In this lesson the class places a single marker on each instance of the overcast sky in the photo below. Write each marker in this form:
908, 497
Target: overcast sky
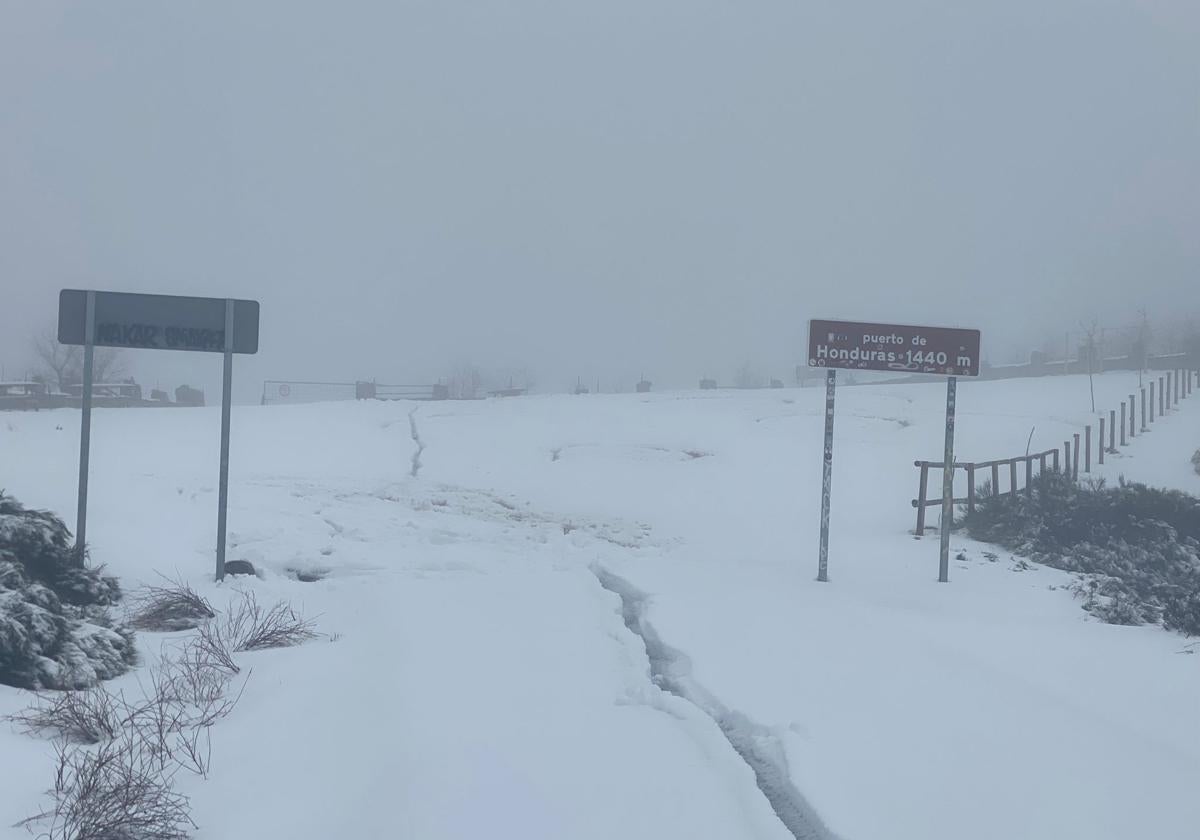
602, 188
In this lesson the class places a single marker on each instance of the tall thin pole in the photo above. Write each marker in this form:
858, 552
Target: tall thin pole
948, 484
827, 475
226, 394
85, 427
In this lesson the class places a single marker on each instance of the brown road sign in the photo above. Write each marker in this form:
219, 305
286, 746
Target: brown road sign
894, 348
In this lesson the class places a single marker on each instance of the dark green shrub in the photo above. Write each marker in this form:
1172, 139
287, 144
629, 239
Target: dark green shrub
55, 630
1140, 545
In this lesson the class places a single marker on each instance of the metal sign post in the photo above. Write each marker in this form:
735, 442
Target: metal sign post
85, 426
226, 393
948, 485
892, 348
827, 475
156, 322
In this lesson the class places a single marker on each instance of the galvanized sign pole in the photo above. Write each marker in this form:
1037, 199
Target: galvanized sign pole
226, 393
948, 485
827, 476
85, 426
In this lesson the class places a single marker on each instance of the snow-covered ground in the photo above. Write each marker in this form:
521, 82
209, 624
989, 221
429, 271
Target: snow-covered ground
597, 617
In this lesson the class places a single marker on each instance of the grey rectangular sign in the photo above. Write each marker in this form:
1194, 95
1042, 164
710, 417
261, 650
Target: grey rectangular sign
157, 322
853, 345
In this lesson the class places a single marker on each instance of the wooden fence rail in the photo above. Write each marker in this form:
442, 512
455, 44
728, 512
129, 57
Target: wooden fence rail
1172, 387
991, 468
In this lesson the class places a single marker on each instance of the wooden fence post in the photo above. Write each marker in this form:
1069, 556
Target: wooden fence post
1112, 430
1012, 476
921, 498
1054, 459
1177, 378
995, 479
1100, 450
1152, 401
1087, 447
1067, 458
1075, 459
970, 488
1029, 476
1144, 427
1124, 425
1131, 430
1161, 407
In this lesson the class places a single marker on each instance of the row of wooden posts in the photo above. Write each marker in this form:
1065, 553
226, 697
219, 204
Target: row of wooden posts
1172, 387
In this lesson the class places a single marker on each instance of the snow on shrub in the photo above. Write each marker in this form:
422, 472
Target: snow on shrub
116, 791
169, 608
247, 626
1138, 546
1196, 460
55, 627
118, 757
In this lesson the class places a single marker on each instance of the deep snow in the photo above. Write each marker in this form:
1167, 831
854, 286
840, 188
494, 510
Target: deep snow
483, 683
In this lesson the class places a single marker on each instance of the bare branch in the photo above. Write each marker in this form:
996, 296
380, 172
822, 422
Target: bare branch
175, 606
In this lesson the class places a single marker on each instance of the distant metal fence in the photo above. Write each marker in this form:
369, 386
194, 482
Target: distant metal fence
289, 392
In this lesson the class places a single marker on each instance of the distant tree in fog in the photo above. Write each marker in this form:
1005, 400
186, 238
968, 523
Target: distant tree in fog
748, 377
464, 383
1091, 349
62, 364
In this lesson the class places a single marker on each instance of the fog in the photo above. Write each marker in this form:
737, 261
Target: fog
559, 189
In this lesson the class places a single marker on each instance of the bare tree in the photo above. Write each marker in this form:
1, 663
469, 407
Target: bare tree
747, 377
57, 362
464, 382
62, 364
107, 365
1090, 331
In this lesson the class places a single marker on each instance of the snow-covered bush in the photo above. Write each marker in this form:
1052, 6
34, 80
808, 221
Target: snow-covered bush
1196, 460
80, 717
115, 791
164, 609
1140, 546
248, 626
118, 756
55, 628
